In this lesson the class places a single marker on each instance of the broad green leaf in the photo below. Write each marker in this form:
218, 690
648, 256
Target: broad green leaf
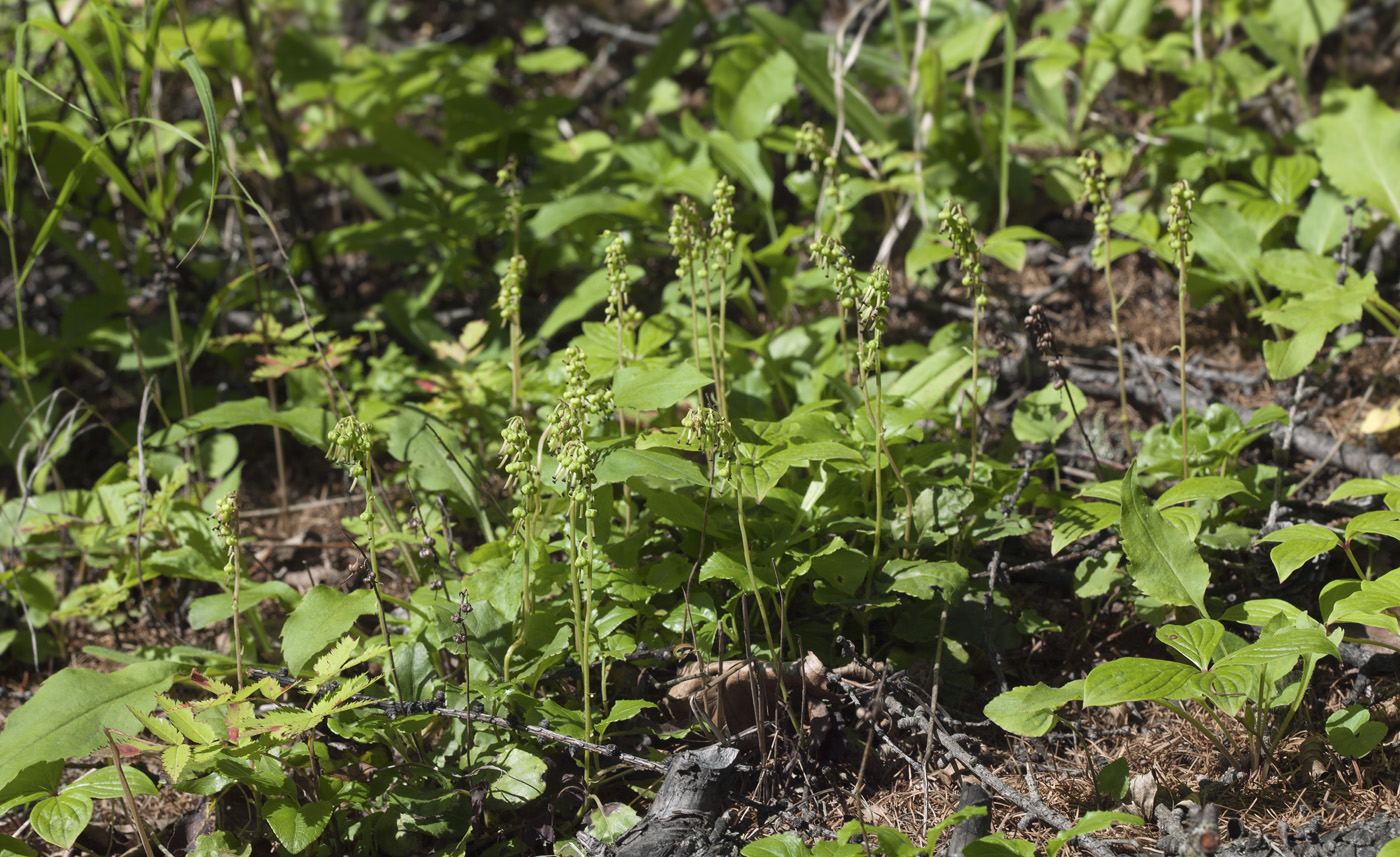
622, 710
1197, 488
1358, 142
33, 783
553, 216
1353, 488
814, 74
105, 784
997, 845
1352, 731
1030, 710
1284, 644
1297, 270
323, 616
1079, 519
12, 847
744, 160
1044, 415
1139, 680
577, 303
62, 818
1258, 611
801, 453
1162, 561
653, 388
308, 425
1324, 221
64, 719
919, 578
297, 826
1285, 359
1285, 177
435, 453
1302, 22
1298, 544
929, 380
759, 96
1092, 822
1225, 240
619, 465
782, 845
1112, 779
560, 59
1379, 523
1197, 641
209, 609
521, 778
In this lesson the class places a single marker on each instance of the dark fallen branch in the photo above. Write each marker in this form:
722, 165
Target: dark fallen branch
1036, 808
1103, 383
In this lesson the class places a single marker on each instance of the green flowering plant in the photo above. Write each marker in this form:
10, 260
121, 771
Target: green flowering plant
954, 225
351, 448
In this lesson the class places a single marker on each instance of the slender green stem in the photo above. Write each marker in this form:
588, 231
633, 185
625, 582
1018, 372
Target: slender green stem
581, 621
1105, 237
1181, 298
237, 617
972, 434
1201, 727
748, 562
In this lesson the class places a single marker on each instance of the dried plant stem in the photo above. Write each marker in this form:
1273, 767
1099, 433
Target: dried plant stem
136, 820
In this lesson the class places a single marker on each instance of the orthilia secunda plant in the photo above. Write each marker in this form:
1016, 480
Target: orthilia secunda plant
811, 143
684, 238
575, 476
954, 225
873, 308
622, 314
508, 299
350, 447
522, 473
226, 526
578, 406
719, 250
1095, 193
711, 432
837, 264
1179, 240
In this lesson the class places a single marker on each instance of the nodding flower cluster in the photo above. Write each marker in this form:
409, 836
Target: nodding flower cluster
1043, 339
577, 406
620, 307
714, 436
1095, 189
954, 224
350, 445
1179, 221
226, 529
